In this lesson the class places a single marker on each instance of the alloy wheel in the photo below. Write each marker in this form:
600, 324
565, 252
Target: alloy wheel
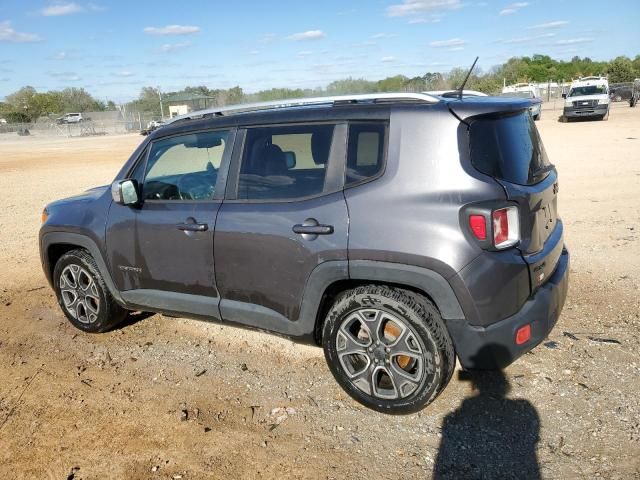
79, 294
381, 354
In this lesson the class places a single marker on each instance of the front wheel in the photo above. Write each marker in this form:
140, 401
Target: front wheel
82, 294
388, 348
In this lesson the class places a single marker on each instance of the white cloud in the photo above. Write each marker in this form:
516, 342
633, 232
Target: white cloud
554, 24
172, 30
123, 73
422, 20
254, 52
172, 47
308, 35
60, 55
305, 53
454, 42
66, 76
94, 7
383, 35
8, 34
518, 40
60, 9
513, 8
574, 41
415, 7
267, 38
388, 59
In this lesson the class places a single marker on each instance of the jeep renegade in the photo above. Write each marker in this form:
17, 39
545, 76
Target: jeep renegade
399, 231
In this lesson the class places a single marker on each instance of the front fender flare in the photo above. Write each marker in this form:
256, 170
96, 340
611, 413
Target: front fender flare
81, 241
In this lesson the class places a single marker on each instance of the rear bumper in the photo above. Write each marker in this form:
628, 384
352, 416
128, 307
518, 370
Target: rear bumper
582, 112
494, 346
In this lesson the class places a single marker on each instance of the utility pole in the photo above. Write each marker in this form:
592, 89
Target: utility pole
161, 108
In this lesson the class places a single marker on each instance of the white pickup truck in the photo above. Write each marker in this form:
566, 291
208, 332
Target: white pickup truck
588, 97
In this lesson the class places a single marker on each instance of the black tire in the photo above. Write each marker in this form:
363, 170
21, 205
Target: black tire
537, 117
95, 309
605, 117
426, 370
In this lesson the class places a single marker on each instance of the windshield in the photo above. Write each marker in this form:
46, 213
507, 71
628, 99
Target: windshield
508, 147
588, 90
517, 94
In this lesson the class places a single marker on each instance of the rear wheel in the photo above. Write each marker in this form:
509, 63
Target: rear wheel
388, 348
83, 295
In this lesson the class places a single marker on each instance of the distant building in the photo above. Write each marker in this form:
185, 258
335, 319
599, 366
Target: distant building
181, 103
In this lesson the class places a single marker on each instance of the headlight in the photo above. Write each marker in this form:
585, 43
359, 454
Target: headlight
603, 101
45, 215
568, 103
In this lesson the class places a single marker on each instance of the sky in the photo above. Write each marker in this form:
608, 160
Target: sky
113, 48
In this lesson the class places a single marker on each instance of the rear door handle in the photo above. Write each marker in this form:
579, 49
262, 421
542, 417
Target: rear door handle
313, 229
192, 227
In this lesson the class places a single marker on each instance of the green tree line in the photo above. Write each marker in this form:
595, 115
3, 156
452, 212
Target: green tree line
27, 104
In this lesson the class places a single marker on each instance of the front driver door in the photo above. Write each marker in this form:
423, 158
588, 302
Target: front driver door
285, 215
167, 262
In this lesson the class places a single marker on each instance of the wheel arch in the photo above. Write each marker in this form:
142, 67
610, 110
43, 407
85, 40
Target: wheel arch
422, 281
54, 245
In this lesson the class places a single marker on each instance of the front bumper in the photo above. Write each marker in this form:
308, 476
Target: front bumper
494, 346
582, 112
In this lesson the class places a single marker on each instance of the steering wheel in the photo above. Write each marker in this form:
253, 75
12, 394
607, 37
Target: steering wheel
193, 186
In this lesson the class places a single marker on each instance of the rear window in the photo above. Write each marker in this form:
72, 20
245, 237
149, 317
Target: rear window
509, 148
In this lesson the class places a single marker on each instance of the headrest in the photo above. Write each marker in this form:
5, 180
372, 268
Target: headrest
320, 145
273, 160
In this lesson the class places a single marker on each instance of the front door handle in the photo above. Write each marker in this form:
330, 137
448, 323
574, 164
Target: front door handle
192, 227
313, 229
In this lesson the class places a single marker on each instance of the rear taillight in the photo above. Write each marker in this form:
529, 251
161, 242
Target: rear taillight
494, 228
478, 226
506, 227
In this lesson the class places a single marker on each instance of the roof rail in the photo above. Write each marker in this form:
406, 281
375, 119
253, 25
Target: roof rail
300, 102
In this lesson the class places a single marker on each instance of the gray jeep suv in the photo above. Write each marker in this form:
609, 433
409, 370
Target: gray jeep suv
398, 231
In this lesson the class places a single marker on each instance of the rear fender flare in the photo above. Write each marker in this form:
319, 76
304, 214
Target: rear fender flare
428, 281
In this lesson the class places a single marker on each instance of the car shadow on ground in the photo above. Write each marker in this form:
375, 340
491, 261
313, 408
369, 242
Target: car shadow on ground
489, 436
132, 318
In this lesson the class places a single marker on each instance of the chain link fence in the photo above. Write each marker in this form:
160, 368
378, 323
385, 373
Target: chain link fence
117, 124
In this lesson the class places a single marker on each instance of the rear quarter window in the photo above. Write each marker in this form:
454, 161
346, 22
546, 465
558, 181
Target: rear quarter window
365, 152
509, 148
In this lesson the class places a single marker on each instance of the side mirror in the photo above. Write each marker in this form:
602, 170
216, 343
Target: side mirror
564, 95
125, 192
290, 157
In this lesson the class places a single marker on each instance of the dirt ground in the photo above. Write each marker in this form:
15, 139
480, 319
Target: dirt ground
173, 398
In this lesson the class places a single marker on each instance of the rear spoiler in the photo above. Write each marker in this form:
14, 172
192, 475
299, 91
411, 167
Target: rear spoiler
473, 106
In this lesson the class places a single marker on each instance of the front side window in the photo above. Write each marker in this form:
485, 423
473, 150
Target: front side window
184, 167
284, 162
365, 153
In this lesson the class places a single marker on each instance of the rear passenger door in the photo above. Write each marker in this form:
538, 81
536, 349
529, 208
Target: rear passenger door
283, 215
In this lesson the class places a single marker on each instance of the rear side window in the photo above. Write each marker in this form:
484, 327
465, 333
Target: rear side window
285, 162
365, 153
509, 148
